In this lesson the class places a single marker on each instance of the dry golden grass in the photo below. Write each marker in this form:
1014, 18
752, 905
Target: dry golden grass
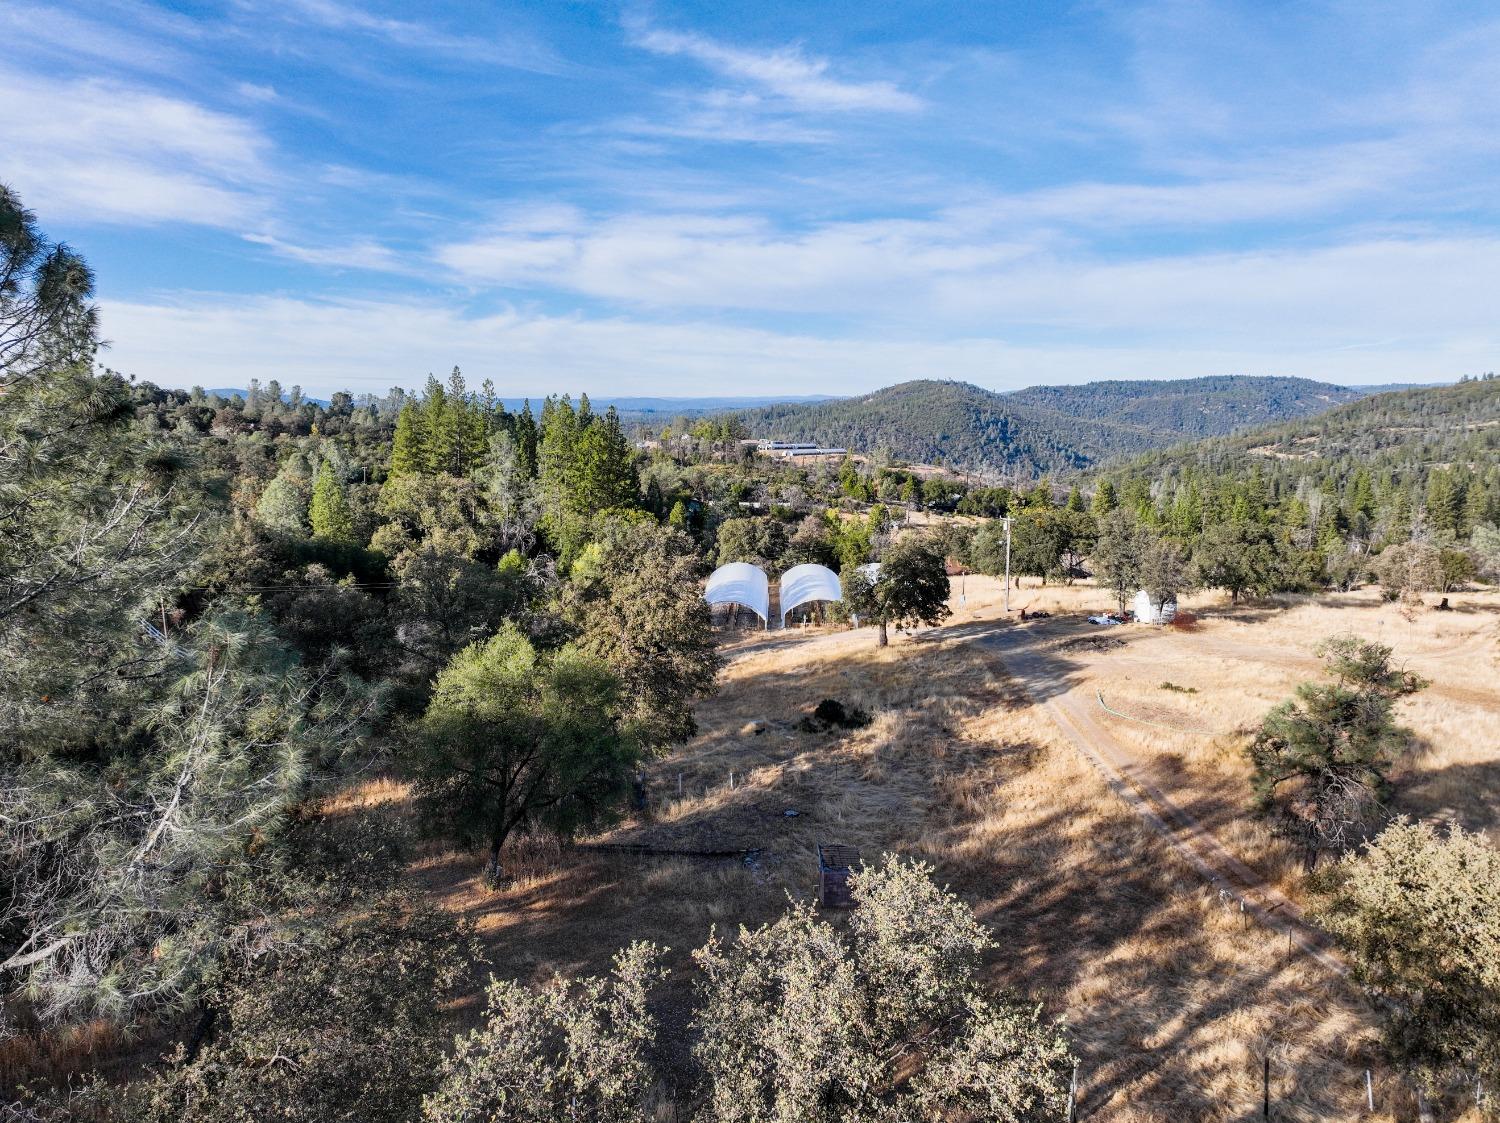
1173, 998
1241, 662
52, 1054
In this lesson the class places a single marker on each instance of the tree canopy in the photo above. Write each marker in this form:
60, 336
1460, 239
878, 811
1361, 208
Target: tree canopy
514, 738
910, 587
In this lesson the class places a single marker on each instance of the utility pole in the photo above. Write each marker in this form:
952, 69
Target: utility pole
1007, 565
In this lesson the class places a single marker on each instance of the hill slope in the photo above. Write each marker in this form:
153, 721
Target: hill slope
1043, 429
1193, 407
1424, 427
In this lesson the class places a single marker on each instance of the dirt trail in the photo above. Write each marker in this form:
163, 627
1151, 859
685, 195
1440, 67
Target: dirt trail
1042, 672
1076, 715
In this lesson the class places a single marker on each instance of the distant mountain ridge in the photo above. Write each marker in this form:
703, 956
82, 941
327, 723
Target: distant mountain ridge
631, 405
674, 406
1044, 428
228, 392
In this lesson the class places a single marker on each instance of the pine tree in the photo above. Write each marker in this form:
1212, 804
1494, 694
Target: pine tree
46, 320
463, 428
585, 467
557, 460
1075, 501
1105, 499
1444, 502
437, 427
526, 439
332, 520
1187, 510
1138, 500
1476, 505
409, 452
607, 471
1334, 743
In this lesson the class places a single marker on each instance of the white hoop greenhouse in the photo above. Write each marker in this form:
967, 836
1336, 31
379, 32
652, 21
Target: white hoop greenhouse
803, 584
741, 583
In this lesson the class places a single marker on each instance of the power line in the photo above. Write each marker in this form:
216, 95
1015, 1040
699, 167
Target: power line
271, 588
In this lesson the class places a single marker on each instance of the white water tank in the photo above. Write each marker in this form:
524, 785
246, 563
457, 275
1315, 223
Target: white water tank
1148, 611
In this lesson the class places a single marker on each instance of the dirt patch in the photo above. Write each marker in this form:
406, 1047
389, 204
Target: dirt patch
1091, 643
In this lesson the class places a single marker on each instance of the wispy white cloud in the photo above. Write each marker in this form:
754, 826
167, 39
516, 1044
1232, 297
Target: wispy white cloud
509, 50
113, 152
723, 117
1203, 194
251, 91
785, 73
362, 253
372, 345
737, 262
1420, 292
69, 37
944, 277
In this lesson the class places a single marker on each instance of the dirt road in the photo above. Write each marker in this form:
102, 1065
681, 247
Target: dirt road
1070, 702
1053, 679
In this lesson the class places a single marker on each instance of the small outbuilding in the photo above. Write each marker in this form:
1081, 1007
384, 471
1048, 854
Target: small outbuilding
1148, 611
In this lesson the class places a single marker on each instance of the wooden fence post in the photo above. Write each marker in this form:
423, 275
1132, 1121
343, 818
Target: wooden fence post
1265, 1088
1073, 1096
1369, 1091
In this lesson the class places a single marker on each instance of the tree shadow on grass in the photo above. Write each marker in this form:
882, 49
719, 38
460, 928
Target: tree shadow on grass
1463, 795
1087, 904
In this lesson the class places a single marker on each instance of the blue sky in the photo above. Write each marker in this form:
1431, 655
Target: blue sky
683, 199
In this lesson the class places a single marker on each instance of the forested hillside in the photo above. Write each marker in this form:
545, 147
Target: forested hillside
1409, 477
1408, 437
1192, 407
1424, 425
1043, 429
934, 422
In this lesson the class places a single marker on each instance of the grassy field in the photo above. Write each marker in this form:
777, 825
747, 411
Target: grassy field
1173, 997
